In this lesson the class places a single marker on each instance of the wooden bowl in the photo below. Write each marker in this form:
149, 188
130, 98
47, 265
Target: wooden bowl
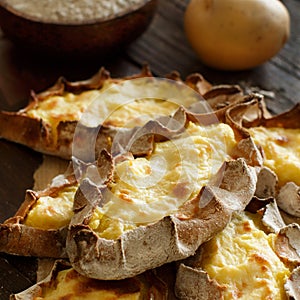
98, 37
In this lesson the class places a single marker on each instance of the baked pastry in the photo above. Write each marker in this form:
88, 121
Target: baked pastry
29, 233
160, 188
257, 255
48, 123
165, 204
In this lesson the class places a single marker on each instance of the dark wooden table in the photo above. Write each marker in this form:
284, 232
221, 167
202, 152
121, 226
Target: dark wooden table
165, 48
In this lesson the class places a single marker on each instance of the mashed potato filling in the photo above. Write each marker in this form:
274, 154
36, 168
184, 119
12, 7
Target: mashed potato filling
52, 212
72, 286
282, 151
126, 104
242, 260
145, 189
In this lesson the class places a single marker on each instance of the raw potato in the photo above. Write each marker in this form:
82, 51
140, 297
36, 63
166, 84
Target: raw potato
236, 35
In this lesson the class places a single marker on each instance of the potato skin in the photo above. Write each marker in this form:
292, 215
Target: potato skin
236, 35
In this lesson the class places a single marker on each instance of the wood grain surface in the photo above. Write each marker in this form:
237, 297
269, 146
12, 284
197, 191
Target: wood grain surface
165, 48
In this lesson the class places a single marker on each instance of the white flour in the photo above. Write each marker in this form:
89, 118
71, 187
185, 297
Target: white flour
72, 11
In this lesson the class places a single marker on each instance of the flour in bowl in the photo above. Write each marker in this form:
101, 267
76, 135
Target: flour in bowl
72, 11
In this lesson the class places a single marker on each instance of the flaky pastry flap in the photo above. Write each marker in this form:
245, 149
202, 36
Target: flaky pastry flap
292, 285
